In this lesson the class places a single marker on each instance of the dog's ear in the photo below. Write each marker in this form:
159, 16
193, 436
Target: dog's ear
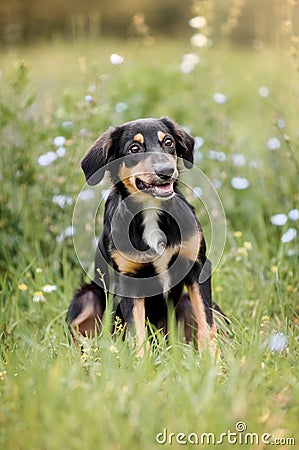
94, 162
184, 141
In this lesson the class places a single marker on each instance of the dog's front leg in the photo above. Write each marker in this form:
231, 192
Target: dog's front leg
133, 311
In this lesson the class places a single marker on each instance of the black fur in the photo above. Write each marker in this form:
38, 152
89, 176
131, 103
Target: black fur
134, 280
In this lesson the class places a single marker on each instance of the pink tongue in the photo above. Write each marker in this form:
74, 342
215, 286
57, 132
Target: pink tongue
164, 188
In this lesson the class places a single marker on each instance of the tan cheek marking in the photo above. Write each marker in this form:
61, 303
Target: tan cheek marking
139, 138
161, 136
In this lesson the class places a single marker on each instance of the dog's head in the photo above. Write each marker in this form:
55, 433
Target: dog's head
142, 155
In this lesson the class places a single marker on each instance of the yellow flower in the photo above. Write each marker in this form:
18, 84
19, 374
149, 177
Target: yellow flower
23, 287
238, 234
247, 245
274, 269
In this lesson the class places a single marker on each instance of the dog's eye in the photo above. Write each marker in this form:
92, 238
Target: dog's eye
134, 148
168, 142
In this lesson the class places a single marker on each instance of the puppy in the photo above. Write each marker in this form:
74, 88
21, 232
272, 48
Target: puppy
151, 238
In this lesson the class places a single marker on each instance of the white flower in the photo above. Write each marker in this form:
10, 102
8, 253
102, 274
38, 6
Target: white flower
60, 152
48, 288
289, 235
279, 219
273, 144
38, 297
121, 107
199, 40
116, 59
199, 141
238, 159
294, 214
47, 159
189, 62
281, 123
62, 200
68, 232
215, 154
88, 98
198, 156
87, 194
220, 98
253, 164
197, 192
277, 342
198, 22
59, 141
239, 183
216, 183
263, 91
67, 124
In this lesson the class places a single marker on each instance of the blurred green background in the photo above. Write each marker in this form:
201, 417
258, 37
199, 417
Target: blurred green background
25, 22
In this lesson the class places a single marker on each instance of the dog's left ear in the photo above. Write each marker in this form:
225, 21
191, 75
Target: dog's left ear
184, 141
95, 161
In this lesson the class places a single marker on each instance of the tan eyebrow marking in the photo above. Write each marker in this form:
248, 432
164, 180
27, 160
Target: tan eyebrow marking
139, 138
161, 136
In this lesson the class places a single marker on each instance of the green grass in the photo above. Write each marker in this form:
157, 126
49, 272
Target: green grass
51, 396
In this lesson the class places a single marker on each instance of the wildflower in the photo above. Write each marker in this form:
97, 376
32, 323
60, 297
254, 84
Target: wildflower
247, 245
289, 235
220, 98
279, 219
197, 192
38, 270
238, 234
239, 183
62, 200
273, 144
274, 269
293, 214
38, 297
199, 141
216, 183
23, 287
121, 107
87, 194
198, 22
215, 154
59, 141
67, 124
239, 160
88, 98
48, 288
68, 232
189, 62
60, 152
277, 342
116, 59
47, 159
263, 91
199, 40
281, 123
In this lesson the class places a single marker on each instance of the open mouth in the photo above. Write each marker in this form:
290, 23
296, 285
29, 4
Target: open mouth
164, 190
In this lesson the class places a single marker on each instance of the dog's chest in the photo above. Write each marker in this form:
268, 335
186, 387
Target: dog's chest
160, 254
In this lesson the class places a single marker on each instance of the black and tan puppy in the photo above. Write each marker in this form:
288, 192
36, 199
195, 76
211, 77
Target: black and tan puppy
151, 236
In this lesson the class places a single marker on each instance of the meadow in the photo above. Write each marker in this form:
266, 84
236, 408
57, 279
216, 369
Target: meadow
242, 105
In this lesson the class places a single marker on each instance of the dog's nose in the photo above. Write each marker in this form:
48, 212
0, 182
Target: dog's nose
165, 172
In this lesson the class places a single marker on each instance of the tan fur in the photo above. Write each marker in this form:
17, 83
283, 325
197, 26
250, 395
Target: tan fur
139, 138
161, 135
139, 323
